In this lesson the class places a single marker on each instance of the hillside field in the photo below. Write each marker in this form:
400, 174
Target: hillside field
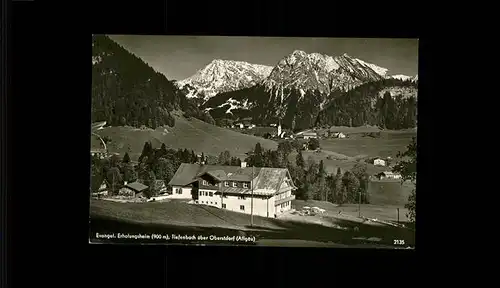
360, 146
389, 192
180, 217
380, 212
191, 134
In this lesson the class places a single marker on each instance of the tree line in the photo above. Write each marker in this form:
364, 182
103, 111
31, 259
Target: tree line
408, 170
359, 106
363, 106
127, 91
154, 164
311, 178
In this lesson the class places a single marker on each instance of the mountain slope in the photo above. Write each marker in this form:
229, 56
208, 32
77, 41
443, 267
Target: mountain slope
402, 77
320, 72
126, 91
379, 70
389, 103
295, 91
223, 76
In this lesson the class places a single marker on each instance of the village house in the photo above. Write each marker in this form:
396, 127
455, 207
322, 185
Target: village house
339, 135
231, 187
307, 135
388, 175
134, 189
379, 162
102, 189
100, 153
160, 186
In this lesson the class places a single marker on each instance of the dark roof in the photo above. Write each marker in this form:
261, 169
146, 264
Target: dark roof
136, 186
268, 180
217, 174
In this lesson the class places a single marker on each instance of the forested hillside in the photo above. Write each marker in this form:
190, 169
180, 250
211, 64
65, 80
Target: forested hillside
126, 91
389, 103
297, 110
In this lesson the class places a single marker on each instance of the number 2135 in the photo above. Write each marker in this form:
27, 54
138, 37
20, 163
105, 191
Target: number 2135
399, 242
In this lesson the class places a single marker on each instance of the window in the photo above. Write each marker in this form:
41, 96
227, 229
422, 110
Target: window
242, 207
178, 190
215, 203
201, 193
224, 206
234, 184
245, 185
205, 182
211, 194
241, 197
226, 183
210, 203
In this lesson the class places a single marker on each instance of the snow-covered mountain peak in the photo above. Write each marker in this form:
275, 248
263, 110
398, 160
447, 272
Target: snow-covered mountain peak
379, 70
319, 72
401, 77
224, 76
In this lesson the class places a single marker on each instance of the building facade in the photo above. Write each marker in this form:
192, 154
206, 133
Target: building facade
260, 191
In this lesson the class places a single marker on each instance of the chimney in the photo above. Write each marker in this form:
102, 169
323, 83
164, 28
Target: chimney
243, 164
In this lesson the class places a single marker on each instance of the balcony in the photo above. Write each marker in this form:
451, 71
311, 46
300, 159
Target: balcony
280, 201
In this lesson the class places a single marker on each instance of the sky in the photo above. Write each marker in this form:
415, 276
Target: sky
179, 57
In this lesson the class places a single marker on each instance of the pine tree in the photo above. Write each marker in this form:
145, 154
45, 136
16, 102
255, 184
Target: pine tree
126, 158
257, 156
227, 158
193, 157
321, 180
146, 151
299, 160
163, 149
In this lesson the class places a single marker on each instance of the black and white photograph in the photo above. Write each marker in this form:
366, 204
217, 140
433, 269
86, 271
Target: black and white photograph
253, 141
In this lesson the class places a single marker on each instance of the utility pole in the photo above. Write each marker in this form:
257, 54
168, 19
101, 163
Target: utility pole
398, 215
359, 204
251, 200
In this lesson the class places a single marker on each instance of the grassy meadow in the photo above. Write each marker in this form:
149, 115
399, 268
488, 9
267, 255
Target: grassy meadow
191, 134
178, 217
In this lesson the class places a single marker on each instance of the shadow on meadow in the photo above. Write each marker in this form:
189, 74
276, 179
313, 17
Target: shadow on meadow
285, 230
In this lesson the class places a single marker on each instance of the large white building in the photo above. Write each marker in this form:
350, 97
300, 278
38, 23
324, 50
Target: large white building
379, 162
232, 187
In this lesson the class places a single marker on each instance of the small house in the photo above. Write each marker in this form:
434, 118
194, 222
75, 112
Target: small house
134, 189
339, 135
309, 135
160, 186
388, 175
379, 162
99, 153
101, 189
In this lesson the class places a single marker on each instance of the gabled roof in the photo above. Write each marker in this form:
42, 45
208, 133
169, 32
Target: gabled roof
265, 180
136, 186
219, 175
